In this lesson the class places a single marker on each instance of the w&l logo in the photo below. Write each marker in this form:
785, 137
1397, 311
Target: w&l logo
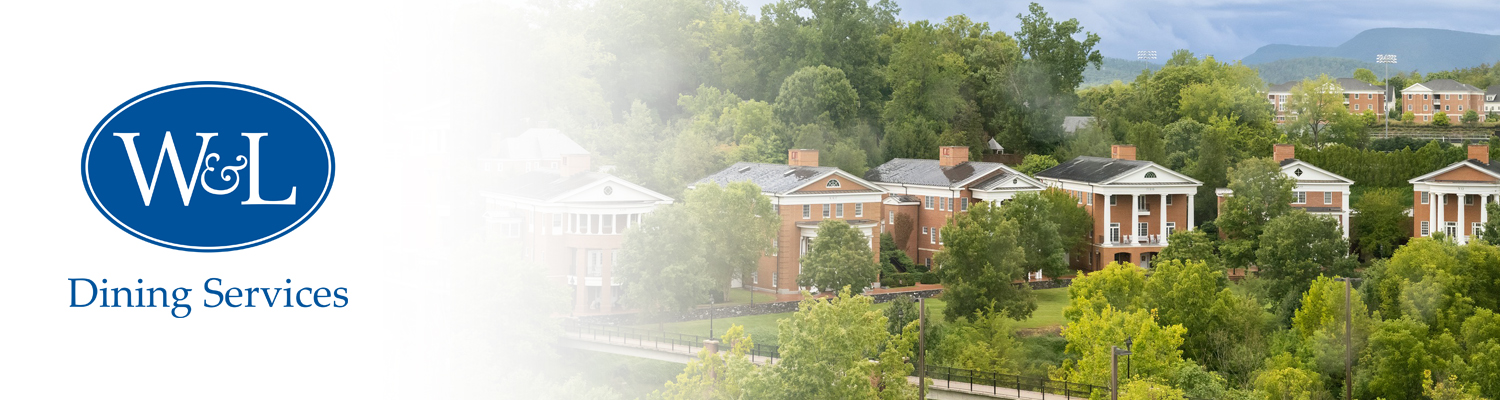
208, 166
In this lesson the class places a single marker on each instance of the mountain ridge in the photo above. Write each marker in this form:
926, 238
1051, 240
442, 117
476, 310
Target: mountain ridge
1421, 49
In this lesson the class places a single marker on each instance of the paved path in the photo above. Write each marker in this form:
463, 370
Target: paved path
682, 353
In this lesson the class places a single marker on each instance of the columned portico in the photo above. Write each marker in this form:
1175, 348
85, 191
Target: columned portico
1439, 199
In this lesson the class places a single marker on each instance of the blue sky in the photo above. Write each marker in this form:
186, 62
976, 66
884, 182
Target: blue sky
1225, 29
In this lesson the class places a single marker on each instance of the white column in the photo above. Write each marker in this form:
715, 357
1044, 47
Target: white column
1190, 211
1345, 208
1463, 230
1135, 215
1163, 227
1107, 221
1440, 223
1484, 210
1432, 203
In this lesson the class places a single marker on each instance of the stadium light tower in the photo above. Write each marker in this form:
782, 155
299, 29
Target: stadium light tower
1387, 59
1145, 55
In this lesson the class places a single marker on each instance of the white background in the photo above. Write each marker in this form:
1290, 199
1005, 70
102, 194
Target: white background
357, 68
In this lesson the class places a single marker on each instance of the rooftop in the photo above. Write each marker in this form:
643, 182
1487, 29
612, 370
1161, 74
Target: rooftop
772, 178
1091, 169
929, 172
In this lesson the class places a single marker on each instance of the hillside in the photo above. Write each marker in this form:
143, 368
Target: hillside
1296, 69
1115, 69
1420, 49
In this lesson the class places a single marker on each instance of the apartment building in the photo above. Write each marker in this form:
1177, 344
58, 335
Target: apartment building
1318, 191
1452, 199
1136, 204
1446, 95
1359, 97
550, 209
930, 192
804, 194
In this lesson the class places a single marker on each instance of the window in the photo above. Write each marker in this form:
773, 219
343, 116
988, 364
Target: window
1327, 197
1447, 108
1299, 197
859, 209
1141, 204
1091, 199
1468, 200
1424, 97
1478, 229
1460, 97
1171, 228
1408, 107
950, 204
595, 263
932, 239
833, 183
1447, 97
1408, 97
775, 246
1369, 95
557, 222
1143, 229
806, 211
1460, 108
1169, 199
1424, 108
840, 211
1114, 232
774, 276
963, 204
924, 230
1444, 199
1150, 175
1426, 229
827, 210
1111, 199
929, 203
939, 235
892, 219
755, 278
941, 204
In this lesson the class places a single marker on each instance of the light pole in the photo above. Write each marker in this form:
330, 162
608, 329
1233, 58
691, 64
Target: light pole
922, 348
1348, 340
1114, 371
1147, 56
1388, 59
1128, 372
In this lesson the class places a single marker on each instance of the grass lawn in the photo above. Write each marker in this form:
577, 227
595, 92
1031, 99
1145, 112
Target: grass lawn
762, 328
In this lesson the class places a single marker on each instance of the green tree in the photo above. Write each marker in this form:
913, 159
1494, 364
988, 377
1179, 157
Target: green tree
980, 342
664, 248
713, 375
1400, 350
1382, 222
1481, 339
840, 256
1260, 193
981, 258
1182, 141
1408, 117
1366, 76
1470, 118
818, 92
1119, 286
892, 258
1034, 163
839, 348
1297, 247
1194, 245
1155, 347
901, 312
1440, 119
1147, 389
1056, 226
737, 222
848, 156
1053, 45
1179, 291
1290, 383
1317, 101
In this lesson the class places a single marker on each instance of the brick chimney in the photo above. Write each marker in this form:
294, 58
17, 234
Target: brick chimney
574, 164
802, 157
1282, 152
1480, 152
1122, 152
949, 156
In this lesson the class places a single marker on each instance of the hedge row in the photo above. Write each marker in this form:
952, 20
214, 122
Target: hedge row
908, 279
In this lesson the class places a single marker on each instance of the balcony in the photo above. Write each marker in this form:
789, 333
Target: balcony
1137, 240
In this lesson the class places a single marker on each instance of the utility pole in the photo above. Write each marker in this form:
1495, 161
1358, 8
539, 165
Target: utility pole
922, 349
1388, 59
710, 316
1348, 339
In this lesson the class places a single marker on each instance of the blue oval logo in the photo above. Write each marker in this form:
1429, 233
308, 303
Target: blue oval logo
208, 166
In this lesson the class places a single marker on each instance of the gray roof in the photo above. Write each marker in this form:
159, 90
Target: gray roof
1004, 180
1283, 87
1091, 169
1351, 84
772, 178
929, 172
544, 185
906, 198
1492, 93
1448, 85
1073, 124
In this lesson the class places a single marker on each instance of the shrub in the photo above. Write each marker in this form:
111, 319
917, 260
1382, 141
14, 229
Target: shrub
1440, 119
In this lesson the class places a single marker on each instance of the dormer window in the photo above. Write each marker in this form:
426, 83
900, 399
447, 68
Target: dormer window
833, 183
1150, 175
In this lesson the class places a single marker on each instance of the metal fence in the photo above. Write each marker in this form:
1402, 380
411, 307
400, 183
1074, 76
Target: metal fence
657, 340
1007, 384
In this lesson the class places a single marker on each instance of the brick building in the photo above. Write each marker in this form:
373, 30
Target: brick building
550, 209
1451, 200
930, 192
1446, 95
1318, 191
804, 194
1359, 96
1492, 99
1136, 204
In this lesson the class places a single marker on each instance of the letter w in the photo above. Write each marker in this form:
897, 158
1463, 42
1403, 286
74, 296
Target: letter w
184, 185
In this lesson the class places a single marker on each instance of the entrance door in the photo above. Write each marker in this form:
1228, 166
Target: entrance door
1452, 229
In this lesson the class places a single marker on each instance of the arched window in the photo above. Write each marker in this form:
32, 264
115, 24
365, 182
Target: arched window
1150, 175
833, 183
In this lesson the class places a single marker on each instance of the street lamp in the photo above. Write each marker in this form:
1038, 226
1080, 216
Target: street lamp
1128, 372
1114, 371
1387, 59
1348, 339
